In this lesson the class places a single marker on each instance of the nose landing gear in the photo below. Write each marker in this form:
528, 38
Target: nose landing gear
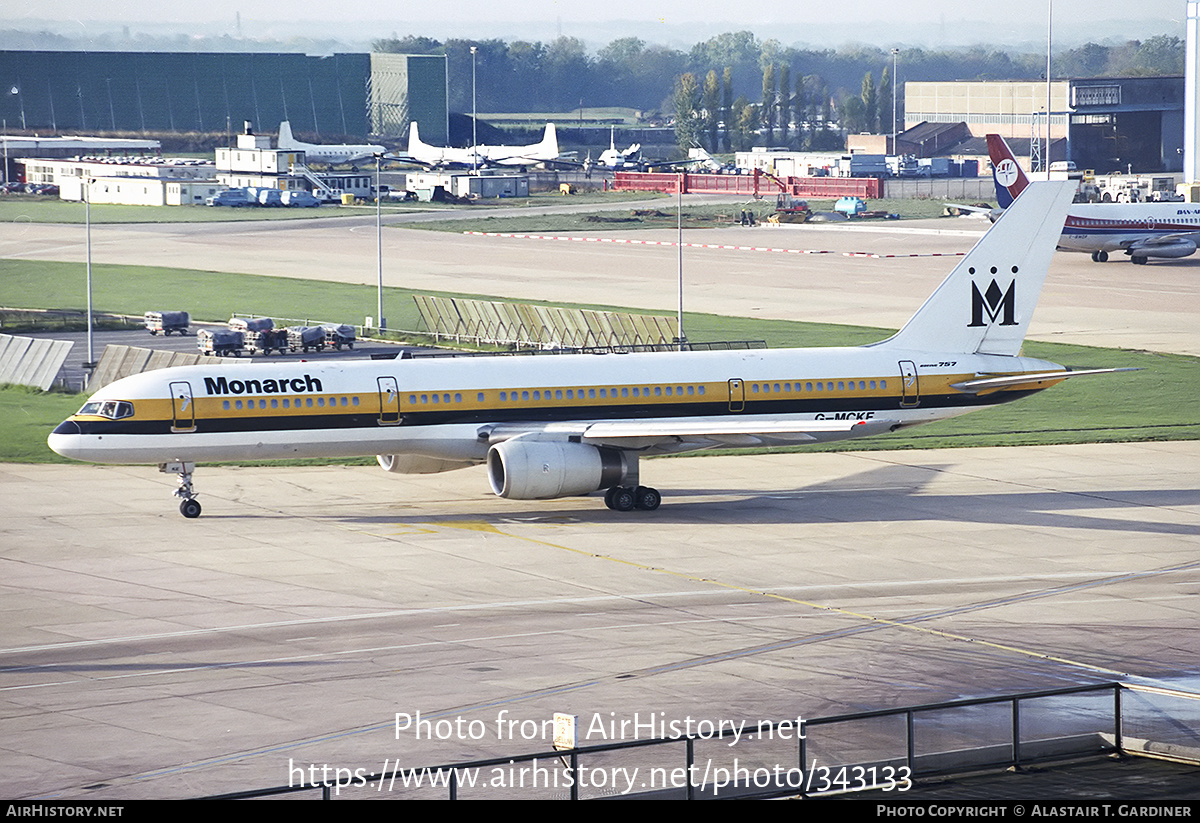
189, 506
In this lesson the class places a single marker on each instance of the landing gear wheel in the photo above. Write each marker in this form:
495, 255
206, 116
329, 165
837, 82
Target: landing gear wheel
190, 508
1138, 261
620, 499
647, 499
1101, 256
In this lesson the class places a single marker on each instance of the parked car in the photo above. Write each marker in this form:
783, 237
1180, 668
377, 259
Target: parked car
299, 199
234, 198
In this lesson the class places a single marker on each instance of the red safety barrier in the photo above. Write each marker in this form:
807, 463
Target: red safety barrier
753, 185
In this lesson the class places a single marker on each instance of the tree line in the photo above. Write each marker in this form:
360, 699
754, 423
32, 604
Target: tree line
562, 75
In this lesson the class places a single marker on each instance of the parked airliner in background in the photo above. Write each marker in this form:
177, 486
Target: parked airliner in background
326, 153
543, 151
569, 424
1140, 230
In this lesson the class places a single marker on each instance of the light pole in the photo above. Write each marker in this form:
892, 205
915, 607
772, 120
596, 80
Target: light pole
1049, 22
679, 218
895, 54
381, 324
474, 137
87, 219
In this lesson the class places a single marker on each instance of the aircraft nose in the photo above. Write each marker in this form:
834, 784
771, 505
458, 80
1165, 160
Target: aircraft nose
64, 437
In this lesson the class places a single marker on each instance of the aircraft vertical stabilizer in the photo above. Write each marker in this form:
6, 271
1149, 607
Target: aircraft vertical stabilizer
549, 144
1010, 179
986, 303
285, 141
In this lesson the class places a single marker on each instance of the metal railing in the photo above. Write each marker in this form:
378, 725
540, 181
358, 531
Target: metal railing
881, 751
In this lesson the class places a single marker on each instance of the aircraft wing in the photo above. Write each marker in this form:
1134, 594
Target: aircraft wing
675, 434
988, 212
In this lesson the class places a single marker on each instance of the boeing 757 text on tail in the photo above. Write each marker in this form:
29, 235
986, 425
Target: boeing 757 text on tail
571, 424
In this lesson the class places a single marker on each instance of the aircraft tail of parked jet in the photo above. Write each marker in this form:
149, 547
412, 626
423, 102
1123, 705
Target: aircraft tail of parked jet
1010, 178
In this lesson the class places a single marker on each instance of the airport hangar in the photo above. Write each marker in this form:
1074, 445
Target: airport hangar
350, 95
1103, 123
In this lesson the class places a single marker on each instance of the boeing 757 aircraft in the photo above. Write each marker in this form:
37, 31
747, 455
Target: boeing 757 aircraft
562, 425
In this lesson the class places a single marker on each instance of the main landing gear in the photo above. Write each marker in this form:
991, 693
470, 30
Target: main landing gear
628, 498
189, 506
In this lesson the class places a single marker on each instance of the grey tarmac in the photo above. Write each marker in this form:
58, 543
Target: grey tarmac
146, 655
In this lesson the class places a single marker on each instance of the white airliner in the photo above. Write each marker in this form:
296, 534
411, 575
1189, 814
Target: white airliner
1140, 230
616, 159
326, 153
561, 425
543, 151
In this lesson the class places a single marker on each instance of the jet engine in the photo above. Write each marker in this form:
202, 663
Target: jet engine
1178, 248
539, 469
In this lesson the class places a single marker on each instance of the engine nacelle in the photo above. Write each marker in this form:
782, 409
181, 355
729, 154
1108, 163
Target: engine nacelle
418, 464
1180, 248
539, 469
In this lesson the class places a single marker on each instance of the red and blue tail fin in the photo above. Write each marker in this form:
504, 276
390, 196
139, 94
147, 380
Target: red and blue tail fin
1008, 175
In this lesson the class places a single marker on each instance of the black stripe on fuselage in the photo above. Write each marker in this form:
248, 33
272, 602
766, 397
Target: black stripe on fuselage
226, 423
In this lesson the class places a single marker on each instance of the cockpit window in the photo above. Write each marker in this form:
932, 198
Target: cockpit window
112, 409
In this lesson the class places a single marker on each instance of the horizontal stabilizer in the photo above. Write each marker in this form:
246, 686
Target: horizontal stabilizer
1033, 381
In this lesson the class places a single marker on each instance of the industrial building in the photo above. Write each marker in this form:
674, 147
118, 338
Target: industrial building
1106, 123
340, 94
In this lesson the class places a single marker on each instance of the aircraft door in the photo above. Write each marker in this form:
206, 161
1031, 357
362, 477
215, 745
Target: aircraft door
183, 409
737, 395
389, 401
909, 385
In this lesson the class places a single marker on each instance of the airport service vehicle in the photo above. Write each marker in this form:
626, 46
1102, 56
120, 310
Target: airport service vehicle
234, 198
304, 338
220, 342
560, 425
167, 322
299, 199
337, 336
260, 335
1140, 230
